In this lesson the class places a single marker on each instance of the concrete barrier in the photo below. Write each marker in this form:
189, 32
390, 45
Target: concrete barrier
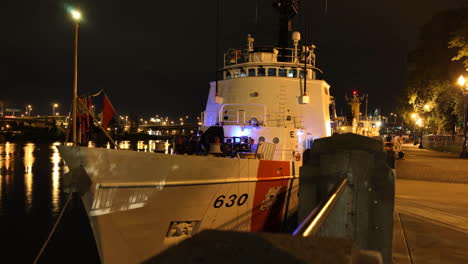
364, 212
214, 247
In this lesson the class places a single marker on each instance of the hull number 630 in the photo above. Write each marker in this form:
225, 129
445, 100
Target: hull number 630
230, 201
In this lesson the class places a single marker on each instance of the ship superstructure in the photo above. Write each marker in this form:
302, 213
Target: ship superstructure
361, 124
272, 95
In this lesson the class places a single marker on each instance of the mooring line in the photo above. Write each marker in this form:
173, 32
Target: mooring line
53, 228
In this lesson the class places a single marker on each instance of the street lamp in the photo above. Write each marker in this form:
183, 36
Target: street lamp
53, 108
426, 108
76, 15
461, 82
28, 110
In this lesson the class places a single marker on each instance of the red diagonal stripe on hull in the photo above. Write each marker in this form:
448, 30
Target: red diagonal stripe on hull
269, 198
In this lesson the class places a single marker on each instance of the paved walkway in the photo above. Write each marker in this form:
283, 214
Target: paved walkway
431, 208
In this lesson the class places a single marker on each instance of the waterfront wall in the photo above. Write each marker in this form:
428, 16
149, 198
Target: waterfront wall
445, 143
365, 208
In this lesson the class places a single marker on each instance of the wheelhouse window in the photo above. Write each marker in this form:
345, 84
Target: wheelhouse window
261, 72
228, 75
301, 74
283, 72
271, 71
242, 73
292, 73
251, 72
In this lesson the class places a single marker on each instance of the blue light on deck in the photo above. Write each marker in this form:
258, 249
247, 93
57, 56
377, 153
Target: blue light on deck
242, 132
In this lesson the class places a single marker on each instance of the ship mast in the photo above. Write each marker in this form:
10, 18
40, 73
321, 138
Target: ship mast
287, 9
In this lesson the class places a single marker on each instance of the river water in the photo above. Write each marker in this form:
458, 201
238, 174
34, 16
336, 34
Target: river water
31, 200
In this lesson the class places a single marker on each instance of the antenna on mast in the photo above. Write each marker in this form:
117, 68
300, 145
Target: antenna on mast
256, 12
287, 9
326, 7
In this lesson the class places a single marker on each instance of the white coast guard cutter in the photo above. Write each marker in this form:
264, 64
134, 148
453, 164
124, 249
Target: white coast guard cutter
270, 106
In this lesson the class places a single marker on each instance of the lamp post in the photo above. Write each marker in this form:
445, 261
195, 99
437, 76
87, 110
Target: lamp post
29, 108
461, 82
394, 117
76, 15
419, 122
423, 119
414, 116
53, 108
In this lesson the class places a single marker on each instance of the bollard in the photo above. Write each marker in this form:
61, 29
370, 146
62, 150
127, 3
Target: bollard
364, 211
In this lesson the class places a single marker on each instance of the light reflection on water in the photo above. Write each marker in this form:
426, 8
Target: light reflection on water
24, 174
28, 172
7, 163
30, 202
56, 169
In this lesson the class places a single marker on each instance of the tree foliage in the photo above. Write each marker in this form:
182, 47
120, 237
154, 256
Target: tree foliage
459, 41
439, 103
432, 70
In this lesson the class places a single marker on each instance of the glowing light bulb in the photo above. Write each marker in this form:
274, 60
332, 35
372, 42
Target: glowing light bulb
75, 14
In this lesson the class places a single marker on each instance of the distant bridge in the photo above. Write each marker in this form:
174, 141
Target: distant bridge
34, 120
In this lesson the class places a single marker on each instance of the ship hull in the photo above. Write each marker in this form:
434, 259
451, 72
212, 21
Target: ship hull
141, 203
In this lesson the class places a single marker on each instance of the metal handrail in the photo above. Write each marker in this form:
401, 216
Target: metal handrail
243, 55
315, 219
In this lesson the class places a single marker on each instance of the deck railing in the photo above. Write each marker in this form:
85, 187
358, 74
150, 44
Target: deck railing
239, 56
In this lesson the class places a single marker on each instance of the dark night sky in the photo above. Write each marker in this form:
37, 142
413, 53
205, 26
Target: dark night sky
157, 57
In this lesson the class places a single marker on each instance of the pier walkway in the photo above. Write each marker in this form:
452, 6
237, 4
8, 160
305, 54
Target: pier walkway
431, 208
